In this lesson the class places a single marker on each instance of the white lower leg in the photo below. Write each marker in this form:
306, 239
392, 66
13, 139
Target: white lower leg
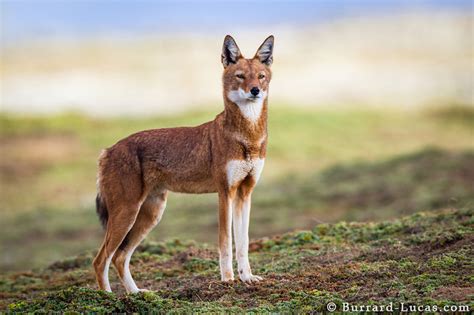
127, 279
225, 263
225, 250
243, 264
105, 274
241, 230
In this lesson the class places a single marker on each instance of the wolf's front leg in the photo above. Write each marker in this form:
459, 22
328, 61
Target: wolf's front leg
225, 237
241, 214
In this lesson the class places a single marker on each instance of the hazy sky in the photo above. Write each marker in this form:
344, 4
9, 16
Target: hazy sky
35, 19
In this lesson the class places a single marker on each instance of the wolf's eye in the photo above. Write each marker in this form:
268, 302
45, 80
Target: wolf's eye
240, 76
261, 76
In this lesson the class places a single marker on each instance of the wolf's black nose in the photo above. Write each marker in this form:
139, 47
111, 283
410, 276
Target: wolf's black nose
255, 90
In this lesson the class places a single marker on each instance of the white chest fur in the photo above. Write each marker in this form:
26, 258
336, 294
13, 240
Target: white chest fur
237, 170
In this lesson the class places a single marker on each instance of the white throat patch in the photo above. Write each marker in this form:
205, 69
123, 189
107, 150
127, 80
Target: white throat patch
250, 109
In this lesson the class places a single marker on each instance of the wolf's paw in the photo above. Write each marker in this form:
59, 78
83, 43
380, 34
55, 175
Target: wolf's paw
227, 279
250, 278
227, 276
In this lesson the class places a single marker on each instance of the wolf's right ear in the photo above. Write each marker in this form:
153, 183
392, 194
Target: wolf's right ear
230, 51
265, 51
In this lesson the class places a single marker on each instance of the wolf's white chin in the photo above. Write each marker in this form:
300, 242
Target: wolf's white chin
250, 107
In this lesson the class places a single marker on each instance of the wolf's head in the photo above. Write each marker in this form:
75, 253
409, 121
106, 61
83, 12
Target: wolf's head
246, 81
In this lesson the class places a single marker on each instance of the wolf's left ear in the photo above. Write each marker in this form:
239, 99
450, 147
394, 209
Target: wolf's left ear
230, 51
265, 51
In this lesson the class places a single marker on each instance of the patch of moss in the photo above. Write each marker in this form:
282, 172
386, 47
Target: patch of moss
303, 302
170, 247
80, 261
443, 261
200, 265
423, 258
428, 282
73, 299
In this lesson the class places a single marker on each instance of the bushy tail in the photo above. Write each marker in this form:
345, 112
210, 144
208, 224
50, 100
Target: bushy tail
101, 209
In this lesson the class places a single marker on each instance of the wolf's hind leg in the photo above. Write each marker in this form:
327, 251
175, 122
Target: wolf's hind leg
117, 228
150, 214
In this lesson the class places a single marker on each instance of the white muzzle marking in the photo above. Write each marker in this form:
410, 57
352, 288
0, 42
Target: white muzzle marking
250, 106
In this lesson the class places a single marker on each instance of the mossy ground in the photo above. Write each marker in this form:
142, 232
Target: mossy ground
323, 166
425, 258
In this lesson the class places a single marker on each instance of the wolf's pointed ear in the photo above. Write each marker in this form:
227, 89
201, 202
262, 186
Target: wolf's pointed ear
230, 51
265, 51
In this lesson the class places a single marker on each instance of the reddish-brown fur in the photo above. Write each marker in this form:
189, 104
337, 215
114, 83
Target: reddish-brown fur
136, 173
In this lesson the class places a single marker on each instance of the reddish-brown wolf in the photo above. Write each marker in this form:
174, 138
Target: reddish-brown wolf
225, 155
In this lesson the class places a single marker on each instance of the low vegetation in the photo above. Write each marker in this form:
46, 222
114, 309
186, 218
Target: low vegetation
375, 167
422, 259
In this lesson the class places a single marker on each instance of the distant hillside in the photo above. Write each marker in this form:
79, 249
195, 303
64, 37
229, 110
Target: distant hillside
422, 259
405, 60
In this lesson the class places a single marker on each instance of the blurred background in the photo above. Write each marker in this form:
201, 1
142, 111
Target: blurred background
371, 110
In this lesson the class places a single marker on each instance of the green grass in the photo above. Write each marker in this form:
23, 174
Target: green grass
422, 259
322, 166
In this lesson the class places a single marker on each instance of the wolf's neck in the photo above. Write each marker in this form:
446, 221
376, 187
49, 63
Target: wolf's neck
247, 118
